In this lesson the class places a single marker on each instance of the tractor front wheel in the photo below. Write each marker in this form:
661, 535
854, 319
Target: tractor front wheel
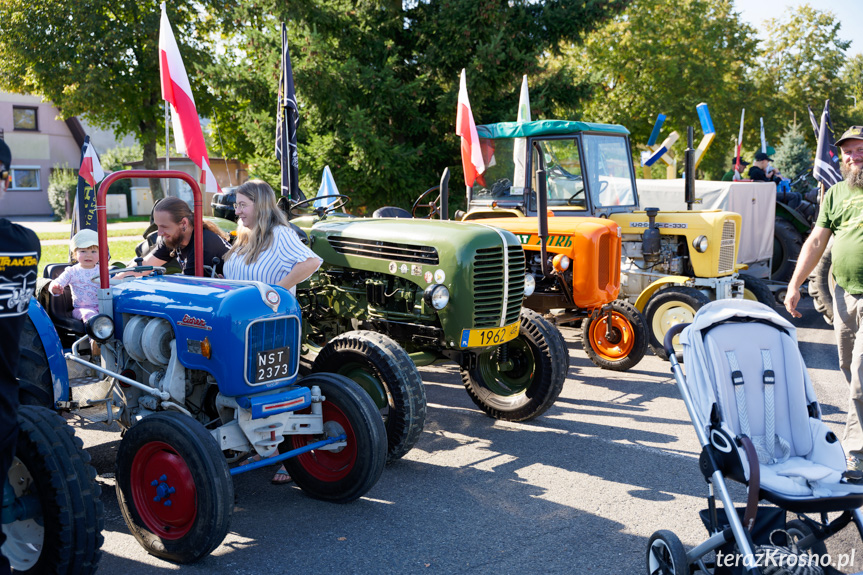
385, 371
625, 346
347, 472
756, 289
521, 379
174, 487
668, 307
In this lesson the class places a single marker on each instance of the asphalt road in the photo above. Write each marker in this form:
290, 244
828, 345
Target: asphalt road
578, 490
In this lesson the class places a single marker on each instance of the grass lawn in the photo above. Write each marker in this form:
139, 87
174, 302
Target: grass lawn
121, 251
137, 232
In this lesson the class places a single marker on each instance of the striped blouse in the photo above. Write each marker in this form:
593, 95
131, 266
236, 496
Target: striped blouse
275, 262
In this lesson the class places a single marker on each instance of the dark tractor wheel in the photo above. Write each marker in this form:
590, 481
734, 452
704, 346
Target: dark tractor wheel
559, 346
59, 529
34, 375
666, 554
787, 243
669, 307
756, 290
821, 286
628, 341
173, 486
345, 473
521, 379
385, 371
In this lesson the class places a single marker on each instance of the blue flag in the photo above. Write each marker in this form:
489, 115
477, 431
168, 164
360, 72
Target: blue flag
826, 168
287, 119
84, 209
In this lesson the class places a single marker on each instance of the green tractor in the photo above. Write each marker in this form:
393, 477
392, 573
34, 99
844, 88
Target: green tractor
440, 291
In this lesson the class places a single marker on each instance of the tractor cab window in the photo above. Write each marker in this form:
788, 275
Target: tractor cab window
562, 163
609, 171
502, 178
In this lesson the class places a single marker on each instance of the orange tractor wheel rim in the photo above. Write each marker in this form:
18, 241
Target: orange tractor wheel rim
606, 349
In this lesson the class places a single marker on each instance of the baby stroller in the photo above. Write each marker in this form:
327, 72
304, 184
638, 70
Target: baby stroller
754, 409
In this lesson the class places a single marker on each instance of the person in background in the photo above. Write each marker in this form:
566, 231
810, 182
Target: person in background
729, 175
19, 260
840, 217
762, 171
267, 250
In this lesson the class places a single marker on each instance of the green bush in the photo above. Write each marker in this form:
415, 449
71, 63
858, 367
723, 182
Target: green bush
62, 184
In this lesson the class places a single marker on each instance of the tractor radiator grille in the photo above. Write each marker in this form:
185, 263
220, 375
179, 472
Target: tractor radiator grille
270, 334
603, 260
385, 250
490, 284
726, 247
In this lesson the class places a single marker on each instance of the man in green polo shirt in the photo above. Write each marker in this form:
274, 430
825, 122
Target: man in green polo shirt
841, 216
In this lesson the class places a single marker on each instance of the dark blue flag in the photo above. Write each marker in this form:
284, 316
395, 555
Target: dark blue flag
84, 209
286, 123
826, 168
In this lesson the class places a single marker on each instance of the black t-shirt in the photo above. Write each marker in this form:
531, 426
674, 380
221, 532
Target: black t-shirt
19, 260
214, 247
758, 175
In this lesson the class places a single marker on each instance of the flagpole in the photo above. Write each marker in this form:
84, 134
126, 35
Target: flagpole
167, 139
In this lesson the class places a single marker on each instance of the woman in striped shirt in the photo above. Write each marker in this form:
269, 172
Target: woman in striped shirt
267, 250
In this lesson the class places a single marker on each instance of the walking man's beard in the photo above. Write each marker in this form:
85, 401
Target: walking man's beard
853, 174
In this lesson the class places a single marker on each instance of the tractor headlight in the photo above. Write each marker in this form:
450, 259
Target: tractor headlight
100, 328
437, 296
560, 263
700, 244
529, 285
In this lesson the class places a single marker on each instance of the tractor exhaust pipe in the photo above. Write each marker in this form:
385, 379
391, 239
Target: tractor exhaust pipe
689, 170
444, 195
542, 218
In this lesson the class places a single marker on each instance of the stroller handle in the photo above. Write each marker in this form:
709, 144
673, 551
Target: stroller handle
668, 341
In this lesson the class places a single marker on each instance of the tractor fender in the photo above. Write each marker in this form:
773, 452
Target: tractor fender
648, 292
53, 349
793, 216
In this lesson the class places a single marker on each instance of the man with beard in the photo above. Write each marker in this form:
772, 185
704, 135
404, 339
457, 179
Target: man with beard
174, 221
841, 216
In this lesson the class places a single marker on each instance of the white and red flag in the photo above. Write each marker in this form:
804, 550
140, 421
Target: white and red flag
471, 153
91, 169
176, 90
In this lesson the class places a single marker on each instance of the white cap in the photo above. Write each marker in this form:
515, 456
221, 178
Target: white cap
84, 239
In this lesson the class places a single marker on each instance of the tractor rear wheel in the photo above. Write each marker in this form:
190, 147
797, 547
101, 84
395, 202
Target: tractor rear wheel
668, 307
385, 371
346, 473
787, 243
756, 289
34, 376
628, 341
59, 529
174, 487
522, 378
821, 286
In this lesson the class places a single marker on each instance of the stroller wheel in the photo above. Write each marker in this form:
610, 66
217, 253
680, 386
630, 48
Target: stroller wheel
798, 529
666, 555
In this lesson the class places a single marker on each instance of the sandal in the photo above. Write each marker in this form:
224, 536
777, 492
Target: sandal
281, 477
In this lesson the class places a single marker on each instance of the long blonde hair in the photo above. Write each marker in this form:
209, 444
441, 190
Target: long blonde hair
267, 216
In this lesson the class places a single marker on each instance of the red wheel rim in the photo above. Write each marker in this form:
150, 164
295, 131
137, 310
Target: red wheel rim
606, 349
329, 465
163, 490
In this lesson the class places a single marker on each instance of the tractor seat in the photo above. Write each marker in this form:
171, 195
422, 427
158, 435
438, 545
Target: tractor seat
60, 307
303, 236
391, 212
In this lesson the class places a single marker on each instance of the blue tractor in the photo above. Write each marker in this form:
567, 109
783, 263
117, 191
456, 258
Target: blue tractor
201, 373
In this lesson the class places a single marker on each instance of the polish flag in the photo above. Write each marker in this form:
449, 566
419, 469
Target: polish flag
471, 153
176, 90
91, 169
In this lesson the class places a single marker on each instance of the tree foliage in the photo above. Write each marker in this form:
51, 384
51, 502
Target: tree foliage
377, 82
793, 155
101, 58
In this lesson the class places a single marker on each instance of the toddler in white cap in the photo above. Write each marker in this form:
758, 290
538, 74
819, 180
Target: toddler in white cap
85, 292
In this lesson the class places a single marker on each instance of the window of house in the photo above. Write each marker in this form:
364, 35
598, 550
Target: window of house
25, 118
25, 178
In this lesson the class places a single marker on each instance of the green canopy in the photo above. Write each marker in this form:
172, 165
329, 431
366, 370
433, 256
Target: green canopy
504, 130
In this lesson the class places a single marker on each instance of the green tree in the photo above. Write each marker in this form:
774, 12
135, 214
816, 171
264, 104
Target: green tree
800, 65
377, 82
101, 58
666, 57
793, 155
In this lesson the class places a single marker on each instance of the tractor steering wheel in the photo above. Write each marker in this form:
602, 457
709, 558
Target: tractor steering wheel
433, 206
133, 269
321, 212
